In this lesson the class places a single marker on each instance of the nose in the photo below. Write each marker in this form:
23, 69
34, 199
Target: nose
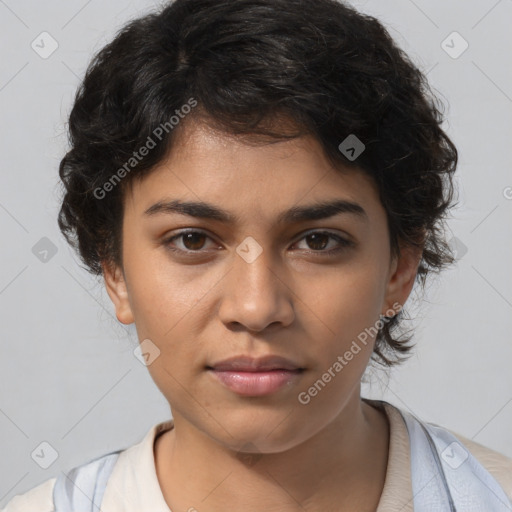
256, 295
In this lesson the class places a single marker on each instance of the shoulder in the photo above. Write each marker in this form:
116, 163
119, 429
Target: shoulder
37, 499
84, 477
498, 465
40, 498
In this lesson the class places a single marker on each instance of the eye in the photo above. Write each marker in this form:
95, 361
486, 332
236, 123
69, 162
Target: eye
191, 241
317, 241
194, 241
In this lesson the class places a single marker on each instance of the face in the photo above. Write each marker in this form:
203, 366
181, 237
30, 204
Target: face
303, 287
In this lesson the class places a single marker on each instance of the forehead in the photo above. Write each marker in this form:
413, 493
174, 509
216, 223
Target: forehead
249, 177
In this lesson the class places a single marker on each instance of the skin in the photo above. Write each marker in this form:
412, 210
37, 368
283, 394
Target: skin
330, 454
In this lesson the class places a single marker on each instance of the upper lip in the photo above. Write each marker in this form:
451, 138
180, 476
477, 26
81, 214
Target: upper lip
250, 364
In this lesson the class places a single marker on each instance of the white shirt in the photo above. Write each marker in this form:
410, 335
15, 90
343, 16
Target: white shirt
133, 485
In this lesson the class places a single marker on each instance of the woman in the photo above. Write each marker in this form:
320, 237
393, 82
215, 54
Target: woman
260, 183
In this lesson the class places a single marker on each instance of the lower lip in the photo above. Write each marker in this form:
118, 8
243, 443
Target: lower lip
256, 383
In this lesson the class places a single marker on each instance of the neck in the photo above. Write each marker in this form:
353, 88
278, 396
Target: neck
341, 467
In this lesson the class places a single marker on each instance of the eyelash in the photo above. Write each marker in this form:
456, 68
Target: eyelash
343, 243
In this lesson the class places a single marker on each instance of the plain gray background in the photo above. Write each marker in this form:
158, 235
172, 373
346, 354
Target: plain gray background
68, 375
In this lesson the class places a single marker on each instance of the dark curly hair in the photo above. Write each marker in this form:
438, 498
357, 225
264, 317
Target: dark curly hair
250, 65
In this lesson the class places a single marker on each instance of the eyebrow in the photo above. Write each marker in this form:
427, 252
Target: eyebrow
315, 211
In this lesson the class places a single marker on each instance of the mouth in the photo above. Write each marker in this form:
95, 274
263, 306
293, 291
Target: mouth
255, 383
248, 376
250, 364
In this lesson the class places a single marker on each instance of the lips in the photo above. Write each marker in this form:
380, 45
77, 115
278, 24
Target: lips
250, 364
248, 376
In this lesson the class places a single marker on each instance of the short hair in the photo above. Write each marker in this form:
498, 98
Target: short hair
247, 66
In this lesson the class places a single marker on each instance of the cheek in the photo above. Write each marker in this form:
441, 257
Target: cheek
343, 302
170, 307
172, 328
342, 313
163, 293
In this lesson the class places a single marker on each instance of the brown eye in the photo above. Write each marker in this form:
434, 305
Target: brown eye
317, 242
191, 241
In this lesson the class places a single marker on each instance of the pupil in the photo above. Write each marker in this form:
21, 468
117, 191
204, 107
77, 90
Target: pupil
315, 237
192, 237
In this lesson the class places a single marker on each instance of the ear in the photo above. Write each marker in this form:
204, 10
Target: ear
115, 284
402, 274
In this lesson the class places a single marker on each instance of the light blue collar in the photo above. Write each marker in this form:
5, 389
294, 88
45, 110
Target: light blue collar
446, 477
